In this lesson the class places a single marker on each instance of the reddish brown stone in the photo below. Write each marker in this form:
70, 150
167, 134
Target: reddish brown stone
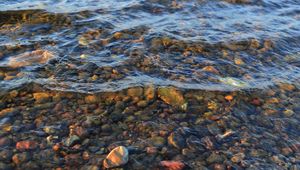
26, 145
4, 141
172, 165
256, 102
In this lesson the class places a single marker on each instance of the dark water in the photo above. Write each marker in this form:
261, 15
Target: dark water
210, 84
249, 43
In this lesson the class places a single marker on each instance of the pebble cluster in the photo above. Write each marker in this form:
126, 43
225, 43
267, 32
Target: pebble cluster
150, 127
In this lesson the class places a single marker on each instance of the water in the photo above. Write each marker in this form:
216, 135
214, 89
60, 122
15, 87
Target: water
161, 42
210, 83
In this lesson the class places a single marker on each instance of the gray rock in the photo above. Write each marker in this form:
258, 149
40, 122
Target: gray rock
72, 140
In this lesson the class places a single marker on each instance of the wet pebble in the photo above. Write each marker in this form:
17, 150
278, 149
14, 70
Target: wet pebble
72, 140
21, 158
173, 97
237, 158
26, 145
6, 155
5, 141
117, 157
172, 165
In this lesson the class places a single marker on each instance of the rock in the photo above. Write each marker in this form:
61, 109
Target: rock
229, 98
83, 41
176, 140
150, 93
21, 158
142, 103
6, 155
5, 141
288, 112
72, 140
30, 58
41, 97
26, 145
91, 99
117, 157
152, 150
256, 102
238, 61
173, 97
237, 158
287, 87
8, 112
158, 141
211, 69
135, 92
172, 165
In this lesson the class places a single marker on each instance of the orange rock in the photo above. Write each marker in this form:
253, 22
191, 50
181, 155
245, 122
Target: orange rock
117, 35
91, 99
211, 69
26, 145
150, 92
6, 111
117, 157
41, 97
20, 158
287, 87
238, 61
172, 165
56, 147
229, 97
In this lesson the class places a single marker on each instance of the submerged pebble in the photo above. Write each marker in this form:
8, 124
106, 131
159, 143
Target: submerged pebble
117, 157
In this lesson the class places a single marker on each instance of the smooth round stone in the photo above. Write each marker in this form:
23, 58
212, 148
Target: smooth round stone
117, 157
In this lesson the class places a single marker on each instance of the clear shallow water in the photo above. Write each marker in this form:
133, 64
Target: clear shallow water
111, 45
235, 64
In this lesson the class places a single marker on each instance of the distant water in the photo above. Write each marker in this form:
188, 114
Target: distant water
108, 45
